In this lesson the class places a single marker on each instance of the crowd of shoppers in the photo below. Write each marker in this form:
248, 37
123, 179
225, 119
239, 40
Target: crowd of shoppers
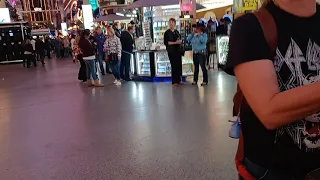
107, 51
36, 50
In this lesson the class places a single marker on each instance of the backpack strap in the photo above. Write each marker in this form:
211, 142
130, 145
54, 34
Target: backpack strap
269, 28
270, 32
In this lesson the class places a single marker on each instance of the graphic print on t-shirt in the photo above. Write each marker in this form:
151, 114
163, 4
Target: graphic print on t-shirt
305, 70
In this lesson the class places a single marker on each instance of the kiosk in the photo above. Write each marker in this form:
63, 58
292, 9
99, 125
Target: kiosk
12, 36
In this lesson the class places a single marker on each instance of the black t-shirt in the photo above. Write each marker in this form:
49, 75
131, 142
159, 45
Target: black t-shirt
291, 148
172, 36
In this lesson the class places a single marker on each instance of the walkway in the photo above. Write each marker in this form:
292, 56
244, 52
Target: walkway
54, 127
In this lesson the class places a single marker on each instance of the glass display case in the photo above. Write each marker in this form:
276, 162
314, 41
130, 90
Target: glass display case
143, 64
162, 64
187, 64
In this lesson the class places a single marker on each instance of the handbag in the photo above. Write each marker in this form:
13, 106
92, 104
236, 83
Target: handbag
113, 58
235, 129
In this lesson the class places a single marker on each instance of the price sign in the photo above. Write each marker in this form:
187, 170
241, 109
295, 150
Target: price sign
222, 49
245, 5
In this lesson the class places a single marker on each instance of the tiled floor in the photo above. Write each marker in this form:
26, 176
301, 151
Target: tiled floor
54, 127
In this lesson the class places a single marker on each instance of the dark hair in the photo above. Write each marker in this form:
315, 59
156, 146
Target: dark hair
130, 28
172, 20
85, 33
115, 24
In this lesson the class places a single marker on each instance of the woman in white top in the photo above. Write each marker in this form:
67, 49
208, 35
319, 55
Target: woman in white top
112, 47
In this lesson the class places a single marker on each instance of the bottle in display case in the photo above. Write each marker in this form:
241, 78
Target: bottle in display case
143, 64
162, 64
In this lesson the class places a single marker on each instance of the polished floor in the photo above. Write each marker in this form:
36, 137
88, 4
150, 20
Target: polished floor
54, 127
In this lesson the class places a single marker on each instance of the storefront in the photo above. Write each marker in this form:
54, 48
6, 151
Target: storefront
151, 58
12, 36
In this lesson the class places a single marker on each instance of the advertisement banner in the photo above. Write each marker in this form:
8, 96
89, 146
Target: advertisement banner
245, 5
222, 46
212, 4
5, 15
87, 16
64, 29
186, 5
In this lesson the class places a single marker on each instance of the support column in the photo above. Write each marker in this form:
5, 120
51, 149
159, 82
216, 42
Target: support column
2, 4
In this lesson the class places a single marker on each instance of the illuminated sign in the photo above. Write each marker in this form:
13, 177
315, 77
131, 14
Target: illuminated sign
5, 15
64, 29
210, 4
245, 5
87, 16
186, 5
37, 9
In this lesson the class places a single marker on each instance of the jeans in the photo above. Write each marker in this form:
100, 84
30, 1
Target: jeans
48, 53
200, 58
42, 55
125, 66
264, 173
116, 69
91, 69
176, 66
58, 52
66, 51
30, 58
99, 59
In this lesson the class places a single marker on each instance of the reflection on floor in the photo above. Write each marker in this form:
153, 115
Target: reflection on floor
54, 127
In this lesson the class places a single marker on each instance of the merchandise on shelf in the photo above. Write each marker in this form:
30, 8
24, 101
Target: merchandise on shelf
161, 16
162, 63
143, 63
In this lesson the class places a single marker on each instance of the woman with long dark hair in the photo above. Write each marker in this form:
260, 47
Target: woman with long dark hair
89, 56
28, 54
77, 54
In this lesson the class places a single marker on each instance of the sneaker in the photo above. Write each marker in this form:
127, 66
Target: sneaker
118, 83
115, 81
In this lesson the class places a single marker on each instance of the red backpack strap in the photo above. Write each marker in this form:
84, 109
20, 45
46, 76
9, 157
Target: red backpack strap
269, 28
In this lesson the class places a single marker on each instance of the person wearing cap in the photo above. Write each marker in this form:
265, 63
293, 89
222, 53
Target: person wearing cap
198, 40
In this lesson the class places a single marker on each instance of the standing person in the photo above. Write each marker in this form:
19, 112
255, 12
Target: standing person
28, 53
117, 29
198, 40
173, 42
33, 43
82, 75
112, 47
40, 50
48, 47
57, 47
127, 43
88, 53
66, 46
221, 29
211, 44
72, 43
99, 39
280, 118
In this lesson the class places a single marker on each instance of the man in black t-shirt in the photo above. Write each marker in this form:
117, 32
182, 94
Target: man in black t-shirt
280, 114
172, 40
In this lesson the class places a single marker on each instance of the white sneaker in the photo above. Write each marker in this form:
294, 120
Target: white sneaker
118, 83
115, 81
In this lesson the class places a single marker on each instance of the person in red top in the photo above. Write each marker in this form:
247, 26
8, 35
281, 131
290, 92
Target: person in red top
89, 56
